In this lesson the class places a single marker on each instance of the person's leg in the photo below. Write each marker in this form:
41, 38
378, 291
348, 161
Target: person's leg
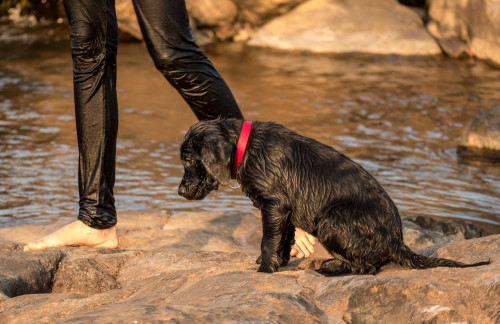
166, 30
94, 40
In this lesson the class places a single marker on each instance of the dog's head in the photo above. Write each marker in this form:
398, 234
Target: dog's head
207, 156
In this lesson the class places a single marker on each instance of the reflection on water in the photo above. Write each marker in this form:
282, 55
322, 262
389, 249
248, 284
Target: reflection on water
400, 117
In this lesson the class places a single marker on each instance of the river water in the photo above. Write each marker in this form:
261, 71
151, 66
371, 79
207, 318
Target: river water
399, 117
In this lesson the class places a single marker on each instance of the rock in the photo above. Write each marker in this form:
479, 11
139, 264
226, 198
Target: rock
209, 13
213, 19
456, 230
440, 295
481, 137
200, 267
130, 30
336, 26
127, 20
217, 15
257, 12
418, 238
90, 274
254, 13
467, 27
27, 273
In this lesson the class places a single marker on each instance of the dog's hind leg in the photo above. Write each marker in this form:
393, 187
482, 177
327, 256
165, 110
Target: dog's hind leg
334, 267
338, 267
274, 233
351, 249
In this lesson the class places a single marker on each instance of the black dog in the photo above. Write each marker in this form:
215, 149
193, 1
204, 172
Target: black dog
297, 181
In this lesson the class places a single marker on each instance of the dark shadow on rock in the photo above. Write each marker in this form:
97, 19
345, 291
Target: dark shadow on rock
29, 272
478, 156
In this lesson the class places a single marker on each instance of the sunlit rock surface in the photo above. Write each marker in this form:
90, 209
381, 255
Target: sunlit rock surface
466, 27
215, 19
257, 12
200, 267
335, 26
458, 28
482, 135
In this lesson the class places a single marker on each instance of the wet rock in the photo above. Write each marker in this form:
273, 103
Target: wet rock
417, 237
481, 137
335, 26
465, 28
200, 267
456, 230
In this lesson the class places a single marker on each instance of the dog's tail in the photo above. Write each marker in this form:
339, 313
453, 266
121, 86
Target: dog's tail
409, 259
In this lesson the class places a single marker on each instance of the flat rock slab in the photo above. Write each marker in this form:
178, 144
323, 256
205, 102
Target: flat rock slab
337, 26
200, 267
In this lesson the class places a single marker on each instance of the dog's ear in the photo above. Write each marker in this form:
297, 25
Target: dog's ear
216, 155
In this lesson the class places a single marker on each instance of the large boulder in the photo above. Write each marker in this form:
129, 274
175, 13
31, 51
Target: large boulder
130, 30
214, 19
336, 26
466, 27
200, 267
218, 16
127, 20
481, 137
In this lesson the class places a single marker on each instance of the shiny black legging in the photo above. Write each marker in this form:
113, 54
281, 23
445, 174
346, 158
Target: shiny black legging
94, 40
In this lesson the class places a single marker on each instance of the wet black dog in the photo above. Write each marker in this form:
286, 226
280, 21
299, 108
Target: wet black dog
297, 181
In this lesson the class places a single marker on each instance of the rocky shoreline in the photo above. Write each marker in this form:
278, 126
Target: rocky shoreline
200, 267
460, 29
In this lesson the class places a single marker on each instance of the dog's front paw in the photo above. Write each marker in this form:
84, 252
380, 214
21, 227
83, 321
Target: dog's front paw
281, 261
269, 267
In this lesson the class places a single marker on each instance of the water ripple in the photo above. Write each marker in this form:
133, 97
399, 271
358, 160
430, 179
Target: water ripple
400, 118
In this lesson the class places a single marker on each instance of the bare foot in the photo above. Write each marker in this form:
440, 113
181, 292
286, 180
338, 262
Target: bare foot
304, 243
77, 234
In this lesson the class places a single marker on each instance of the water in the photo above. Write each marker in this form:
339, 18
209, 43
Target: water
400, 117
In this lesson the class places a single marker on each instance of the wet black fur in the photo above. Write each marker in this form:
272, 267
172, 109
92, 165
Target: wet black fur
297, 181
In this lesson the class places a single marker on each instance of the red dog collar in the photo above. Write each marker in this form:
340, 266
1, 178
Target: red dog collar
242, 145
